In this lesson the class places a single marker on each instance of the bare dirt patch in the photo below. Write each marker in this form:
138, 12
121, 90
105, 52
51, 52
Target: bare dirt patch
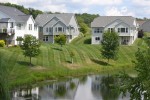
72, 66
38, 68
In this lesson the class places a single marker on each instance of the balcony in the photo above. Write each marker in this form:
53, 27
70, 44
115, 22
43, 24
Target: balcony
8, 30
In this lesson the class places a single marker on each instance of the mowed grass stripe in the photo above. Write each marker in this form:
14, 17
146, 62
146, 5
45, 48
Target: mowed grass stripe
87, 53
77, 58
51, 57
124, 57
94, 52
78, 49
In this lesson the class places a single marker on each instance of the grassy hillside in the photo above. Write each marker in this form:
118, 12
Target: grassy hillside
54, 61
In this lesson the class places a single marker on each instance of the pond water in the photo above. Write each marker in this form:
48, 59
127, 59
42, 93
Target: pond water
93, 87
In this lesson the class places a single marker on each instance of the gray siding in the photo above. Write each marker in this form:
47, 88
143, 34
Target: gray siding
146, 26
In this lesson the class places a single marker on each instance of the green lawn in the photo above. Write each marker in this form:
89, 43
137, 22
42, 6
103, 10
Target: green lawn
54, 61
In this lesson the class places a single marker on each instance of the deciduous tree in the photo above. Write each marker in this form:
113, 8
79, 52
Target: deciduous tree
110, 45
30, 46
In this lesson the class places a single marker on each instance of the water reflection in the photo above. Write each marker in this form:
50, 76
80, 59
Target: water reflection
95, 87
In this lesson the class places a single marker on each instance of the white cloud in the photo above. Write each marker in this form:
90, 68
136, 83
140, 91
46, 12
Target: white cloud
56, 8
11, 1
98, 2
113, 11
141, 2
84, 10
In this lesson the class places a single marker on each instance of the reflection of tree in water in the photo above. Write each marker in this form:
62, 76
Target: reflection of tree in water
61, 90
109, 89
72, 85
83, 80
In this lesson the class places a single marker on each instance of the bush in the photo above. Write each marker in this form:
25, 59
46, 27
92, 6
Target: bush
2, 43
61, 39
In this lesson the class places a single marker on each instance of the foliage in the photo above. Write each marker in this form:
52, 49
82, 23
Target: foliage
83, 28
110, 45
109, 88
2, 43
4, 89
84, 21
86, 18
61, 39
19, 39
138, 87
147, 40
30, 46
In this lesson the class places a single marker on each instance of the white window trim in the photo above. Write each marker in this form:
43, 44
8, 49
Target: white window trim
97, 38
98, 30
126, 30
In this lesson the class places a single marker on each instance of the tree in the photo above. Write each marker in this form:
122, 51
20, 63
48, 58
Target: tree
139, 86
19, 40
61, 39
72, 54
110, 45
30, 46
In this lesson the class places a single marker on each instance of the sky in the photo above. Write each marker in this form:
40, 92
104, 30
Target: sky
135, 8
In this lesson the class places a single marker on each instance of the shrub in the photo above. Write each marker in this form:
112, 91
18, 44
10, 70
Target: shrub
61, 39
2, 43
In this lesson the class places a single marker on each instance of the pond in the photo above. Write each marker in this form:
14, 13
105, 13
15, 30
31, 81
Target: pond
92, 87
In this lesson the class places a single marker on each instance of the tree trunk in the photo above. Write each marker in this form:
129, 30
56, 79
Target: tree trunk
108, 60
30, 61
72, 60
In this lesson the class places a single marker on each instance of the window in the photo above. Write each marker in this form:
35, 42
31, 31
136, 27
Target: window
60, 29
56, 29
122, 30
47, 29
35, 27
63, 29
45, 38
97, 30
50, 29
111, 29
11, 25
126, 30
19, 26
30, 26
97, 38
40, 29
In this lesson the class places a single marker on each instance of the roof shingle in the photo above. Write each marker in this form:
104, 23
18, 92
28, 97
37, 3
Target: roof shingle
102, 21
42, 19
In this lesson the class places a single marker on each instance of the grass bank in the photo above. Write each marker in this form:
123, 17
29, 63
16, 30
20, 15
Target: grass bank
54, 61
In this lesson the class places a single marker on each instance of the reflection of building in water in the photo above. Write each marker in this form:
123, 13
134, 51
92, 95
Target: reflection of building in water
60, 90
26, 93
102, 90
96, 80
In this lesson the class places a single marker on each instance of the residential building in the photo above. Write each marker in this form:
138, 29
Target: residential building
51, 25
14, 23
144, 25
126, 26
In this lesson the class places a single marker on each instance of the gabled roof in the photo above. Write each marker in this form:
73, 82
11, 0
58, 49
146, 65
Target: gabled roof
42, 19
4, 19
141, 22
14, 13
102, 21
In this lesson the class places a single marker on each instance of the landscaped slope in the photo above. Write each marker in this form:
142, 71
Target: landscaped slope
55, 61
